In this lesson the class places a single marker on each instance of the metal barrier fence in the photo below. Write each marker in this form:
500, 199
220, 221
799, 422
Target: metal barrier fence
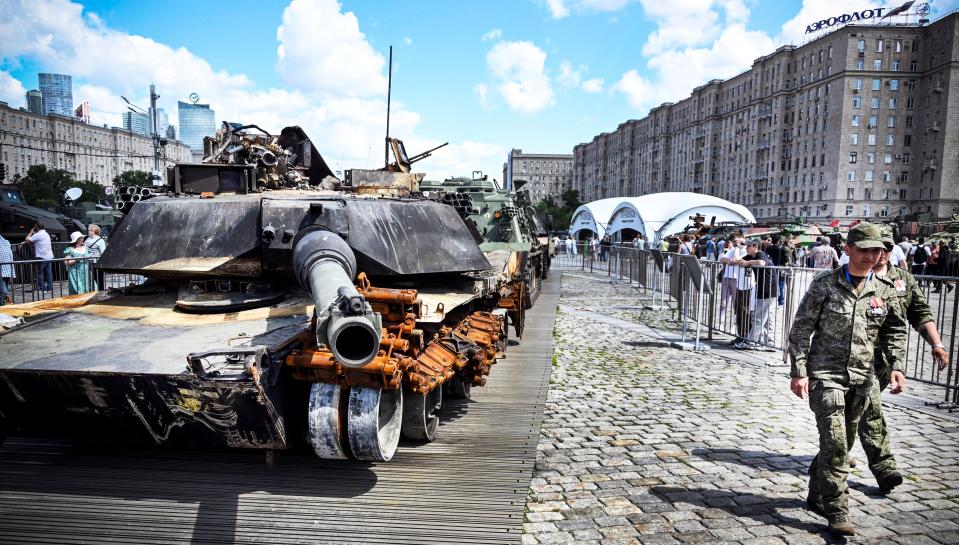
37, 279
764, 317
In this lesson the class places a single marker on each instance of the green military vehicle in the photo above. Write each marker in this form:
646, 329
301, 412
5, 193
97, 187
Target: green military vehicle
512, 236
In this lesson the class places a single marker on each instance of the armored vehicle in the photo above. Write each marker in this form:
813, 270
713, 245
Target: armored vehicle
509, 229
17, 217
281, 306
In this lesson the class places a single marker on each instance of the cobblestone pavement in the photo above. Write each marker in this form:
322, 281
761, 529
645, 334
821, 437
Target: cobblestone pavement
642, 443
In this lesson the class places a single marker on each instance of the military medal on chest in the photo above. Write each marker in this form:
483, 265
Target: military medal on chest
877, 307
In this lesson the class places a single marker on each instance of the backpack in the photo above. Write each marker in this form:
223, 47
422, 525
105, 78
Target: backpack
921, 255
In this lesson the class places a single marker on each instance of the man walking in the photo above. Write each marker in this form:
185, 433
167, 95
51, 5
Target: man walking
823, 255
844, 318
872, 428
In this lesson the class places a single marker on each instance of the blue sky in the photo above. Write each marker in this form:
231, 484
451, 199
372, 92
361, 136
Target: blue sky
541, 75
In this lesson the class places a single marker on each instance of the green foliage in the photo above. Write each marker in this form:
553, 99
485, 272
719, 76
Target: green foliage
132, 177
43, 187
562, 214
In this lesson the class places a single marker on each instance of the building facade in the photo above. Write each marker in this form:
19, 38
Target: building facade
35, 101
544, 174
196, 122
57, 92
861, 123
86, 151
136, 122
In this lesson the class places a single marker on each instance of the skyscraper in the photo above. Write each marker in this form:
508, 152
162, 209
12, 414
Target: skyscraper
162, 122
57, 91
196, 121
170, 132
35, 102
136, 123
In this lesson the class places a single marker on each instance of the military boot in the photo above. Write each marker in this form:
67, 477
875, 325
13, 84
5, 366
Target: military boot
841, 527
889, 481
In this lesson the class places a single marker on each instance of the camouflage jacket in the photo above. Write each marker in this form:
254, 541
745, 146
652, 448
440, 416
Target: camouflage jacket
908, 294
836, 332
914, 306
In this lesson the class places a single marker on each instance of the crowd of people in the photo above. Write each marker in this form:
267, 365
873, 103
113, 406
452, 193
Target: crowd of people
79, 260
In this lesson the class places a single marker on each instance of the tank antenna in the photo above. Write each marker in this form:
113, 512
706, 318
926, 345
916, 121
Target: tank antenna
389, 91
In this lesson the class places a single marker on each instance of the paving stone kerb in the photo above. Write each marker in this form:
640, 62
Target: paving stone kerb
642, 443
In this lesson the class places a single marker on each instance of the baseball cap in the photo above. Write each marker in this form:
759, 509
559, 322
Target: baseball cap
885, 234
865, 235
752, 242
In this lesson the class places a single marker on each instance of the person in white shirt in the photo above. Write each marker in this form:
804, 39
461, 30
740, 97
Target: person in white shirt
43, 249
735, 252
95, 246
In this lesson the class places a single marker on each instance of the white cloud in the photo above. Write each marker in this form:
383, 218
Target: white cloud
518, 68
336, 91
557, 8
594, 85
317, 35
482, 93
494, 34
11, 90
713, 42
408, 41
569, 76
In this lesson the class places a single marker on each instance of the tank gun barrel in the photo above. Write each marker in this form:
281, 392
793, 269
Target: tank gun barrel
325, 265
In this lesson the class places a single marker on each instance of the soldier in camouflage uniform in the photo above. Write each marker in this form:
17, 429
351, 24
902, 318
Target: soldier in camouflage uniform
872, 426
841, 322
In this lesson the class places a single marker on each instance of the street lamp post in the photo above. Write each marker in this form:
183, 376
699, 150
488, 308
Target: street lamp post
152, 116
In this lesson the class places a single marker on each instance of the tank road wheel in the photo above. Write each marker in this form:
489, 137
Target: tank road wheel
374, 420
326, 430
457, 388
420, 412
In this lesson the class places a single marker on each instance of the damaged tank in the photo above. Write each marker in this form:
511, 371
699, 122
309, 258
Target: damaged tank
282, 306
511, 235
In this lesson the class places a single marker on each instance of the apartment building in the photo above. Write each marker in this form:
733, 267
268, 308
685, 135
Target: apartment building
860, 123
545, 174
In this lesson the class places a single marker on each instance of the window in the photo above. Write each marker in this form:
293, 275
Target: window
853, 156
884, 211
871, 157
877, 64
855, 121
897, 46
874, 103
890, 139
887, 176
891, 121
896, 65
887, 158
866, 210
857, 83
906, 157
907, 140
851, 176
879, 46
876, 84
857, 102
871, 139
862, 45
868, 178
850, 193
860, 64
910, 103
874, 122
854, 138
913, 65
908, 121
892, 103
848, 209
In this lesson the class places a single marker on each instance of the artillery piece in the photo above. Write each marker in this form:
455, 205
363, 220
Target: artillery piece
279, 308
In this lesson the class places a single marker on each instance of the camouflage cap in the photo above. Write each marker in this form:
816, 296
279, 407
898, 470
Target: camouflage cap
865, 235
885, 234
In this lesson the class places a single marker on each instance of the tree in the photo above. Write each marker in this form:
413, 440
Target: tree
561, 214
44, 187
132, 177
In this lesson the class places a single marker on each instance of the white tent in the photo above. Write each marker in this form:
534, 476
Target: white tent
660, 214
593, 216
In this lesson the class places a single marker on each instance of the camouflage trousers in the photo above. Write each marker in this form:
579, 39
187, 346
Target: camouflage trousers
838, 409
872, 430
